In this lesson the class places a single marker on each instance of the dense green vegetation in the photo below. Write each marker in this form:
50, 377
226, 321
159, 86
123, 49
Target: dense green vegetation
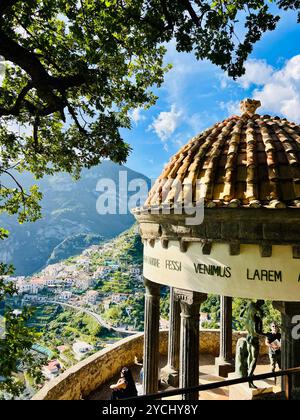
60, 327
127, 249
73, 245
126, 252
129, 313
212, 307
165, 304
15, 342
118, 283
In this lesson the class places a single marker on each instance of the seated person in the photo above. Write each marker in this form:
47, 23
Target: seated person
125, 387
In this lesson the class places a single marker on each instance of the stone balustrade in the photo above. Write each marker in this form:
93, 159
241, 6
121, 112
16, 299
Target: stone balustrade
85, 377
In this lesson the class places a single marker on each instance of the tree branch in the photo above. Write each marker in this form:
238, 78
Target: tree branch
74, 116
16, 181
195, 18
15, 110
40, 79
34, 110
167, 15
13, 166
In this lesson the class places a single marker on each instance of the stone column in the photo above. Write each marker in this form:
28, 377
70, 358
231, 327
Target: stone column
290, 347
170, 373
151, 338
189, 340
224, 363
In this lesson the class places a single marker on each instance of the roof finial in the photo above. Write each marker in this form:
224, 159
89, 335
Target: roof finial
249, 106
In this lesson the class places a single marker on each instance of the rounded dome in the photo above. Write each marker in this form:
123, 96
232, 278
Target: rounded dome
248, 160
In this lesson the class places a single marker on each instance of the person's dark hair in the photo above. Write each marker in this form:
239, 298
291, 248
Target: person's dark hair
131, 388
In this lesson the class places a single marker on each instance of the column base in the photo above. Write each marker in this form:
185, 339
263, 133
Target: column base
169, 376
223, 368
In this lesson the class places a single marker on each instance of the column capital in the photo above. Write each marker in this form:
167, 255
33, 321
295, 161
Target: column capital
189, 297
152, 289
175, 294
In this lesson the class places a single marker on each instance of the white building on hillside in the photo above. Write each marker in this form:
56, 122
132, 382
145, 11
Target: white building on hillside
26, 287
119, 297
80, 348
91, 297
52, 370
65, 295
84, 282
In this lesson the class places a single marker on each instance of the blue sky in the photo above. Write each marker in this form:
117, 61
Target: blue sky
197, 94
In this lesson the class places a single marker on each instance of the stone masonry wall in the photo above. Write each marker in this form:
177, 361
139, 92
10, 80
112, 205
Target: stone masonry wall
91, 373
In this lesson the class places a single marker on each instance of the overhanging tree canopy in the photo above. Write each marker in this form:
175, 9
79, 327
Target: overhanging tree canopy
76, 67
73, 71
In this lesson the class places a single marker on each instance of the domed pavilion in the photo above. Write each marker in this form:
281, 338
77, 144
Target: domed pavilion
244, 175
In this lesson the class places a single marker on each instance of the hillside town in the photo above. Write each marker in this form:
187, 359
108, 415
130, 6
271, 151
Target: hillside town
102, 278
75, 281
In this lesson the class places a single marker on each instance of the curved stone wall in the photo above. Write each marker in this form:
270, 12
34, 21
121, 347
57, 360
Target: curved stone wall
85, 377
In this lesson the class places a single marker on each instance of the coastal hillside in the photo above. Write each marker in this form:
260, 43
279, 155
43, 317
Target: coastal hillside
70, 220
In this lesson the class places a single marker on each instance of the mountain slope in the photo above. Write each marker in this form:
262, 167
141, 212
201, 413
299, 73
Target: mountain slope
69, 210
73, 245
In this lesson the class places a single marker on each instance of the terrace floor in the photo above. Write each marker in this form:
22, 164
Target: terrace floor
206, 375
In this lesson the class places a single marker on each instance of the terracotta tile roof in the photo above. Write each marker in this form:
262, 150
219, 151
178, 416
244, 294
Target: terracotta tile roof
247, 160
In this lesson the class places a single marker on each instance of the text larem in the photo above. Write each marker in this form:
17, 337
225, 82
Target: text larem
264, 275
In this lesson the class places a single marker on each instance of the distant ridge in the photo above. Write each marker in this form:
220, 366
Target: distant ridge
70, 221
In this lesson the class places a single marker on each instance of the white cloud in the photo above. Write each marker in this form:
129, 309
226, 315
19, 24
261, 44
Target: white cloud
281, 93
277, 89
291, 70
183, 87
166, 123
136, 115
224, 81
258, 72
232, 107
195, 121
